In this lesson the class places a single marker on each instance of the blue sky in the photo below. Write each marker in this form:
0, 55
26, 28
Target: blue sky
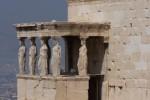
25, 11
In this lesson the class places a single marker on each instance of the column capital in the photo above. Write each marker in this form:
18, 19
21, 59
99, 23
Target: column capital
56, 37
84, 37
32, 38
44, 37
21, 38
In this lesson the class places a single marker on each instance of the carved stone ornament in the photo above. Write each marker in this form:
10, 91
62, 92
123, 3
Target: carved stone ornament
22, 56
56, 55
82, 61
32, 56
43, 58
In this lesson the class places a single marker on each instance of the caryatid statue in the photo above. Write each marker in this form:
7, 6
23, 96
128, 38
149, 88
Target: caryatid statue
56, 55
32, 56
22, 56
43, 58
82, 61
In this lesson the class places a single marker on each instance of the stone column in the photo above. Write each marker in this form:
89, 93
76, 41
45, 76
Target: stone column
22, 56
43, 58
32, 56
56, 54
83, 59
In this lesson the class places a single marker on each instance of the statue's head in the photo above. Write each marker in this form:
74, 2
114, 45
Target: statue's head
83, 41
32, 41
21, 41
55, 40
43, 41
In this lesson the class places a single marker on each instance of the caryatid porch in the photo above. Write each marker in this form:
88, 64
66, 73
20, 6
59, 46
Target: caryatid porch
84, 43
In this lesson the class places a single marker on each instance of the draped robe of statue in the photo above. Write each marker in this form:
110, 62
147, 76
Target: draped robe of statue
32, 59
22, 59
82, 61
55, 62
43, 60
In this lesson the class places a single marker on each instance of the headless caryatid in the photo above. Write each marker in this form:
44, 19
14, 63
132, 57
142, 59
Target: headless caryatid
43, 59
22, 56
82, 61
56, 55
32, 56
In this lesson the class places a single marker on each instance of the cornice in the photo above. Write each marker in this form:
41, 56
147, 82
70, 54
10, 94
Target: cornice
49, 29
74, 1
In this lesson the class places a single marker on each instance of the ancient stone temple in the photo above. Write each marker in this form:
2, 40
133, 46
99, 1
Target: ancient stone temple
107, 53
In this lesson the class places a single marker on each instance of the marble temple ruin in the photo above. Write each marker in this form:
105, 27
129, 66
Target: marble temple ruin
107, 45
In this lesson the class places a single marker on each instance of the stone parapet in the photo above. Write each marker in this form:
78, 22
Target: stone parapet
58, 78
52, 88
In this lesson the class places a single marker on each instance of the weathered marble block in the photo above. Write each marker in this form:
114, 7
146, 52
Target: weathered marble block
52, 88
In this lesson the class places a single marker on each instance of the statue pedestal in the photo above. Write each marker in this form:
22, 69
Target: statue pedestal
52, 88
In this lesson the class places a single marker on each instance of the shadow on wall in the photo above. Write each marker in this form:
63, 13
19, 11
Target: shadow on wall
96, 55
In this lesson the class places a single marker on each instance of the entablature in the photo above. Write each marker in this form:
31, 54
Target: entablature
62, 29
72, 1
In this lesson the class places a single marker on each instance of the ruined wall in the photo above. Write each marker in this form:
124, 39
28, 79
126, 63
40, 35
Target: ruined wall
128, 69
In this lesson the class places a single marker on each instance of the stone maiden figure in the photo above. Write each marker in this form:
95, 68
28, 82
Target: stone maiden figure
56, 55
32, 56
22, 56
43, 59
82, 61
